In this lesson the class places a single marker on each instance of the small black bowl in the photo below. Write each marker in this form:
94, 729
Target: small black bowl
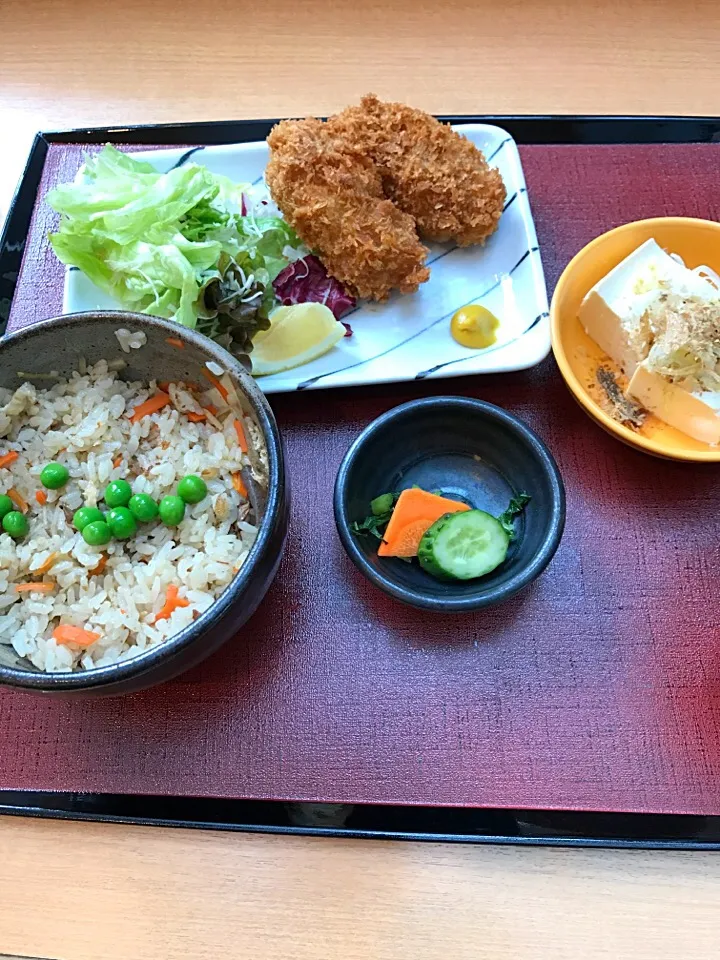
470, 451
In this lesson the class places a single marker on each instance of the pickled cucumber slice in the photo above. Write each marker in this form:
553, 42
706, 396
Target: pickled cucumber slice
463, 546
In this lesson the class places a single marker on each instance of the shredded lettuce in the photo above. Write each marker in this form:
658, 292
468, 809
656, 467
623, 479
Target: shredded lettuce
158, 242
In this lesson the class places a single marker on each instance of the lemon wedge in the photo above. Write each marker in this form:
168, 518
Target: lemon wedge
298, 334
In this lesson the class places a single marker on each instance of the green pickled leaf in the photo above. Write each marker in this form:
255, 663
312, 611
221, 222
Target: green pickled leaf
377, 520
515, 508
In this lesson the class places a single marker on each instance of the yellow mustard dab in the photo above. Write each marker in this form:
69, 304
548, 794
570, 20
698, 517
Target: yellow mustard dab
474, 326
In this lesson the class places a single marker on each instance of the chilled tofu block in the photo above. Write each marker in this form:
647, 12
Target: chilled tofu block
613, 311
696, 414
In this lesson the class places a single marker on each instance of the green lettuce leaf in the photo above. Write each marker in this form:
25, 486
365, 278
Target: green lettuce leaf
162, 243
265, 239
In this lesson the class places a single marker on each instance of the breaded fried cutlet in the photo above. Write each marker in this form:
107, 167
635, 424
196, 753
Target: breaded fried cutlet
331, 193
433, 174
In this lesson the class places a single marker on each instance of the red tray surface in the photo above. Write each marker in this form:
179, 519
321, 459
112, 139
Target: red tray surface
598, 688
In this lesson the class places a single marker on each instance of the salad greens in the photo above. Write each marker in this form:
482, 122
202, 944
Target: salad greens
181, 245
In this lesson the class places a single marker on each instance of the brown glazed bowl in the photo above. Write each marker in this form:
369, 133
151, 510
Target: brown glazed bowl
59, 344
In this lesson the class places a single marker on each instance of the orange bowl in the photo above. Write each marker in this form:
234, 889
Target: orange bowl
698, 243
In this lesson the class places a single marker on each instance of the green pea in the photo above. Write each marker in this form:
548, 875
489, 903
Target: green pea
143, 507
172, 510
54, 475
86, 515
192, 489
97, 533
117, 493
121, 522
6, 505
15, 524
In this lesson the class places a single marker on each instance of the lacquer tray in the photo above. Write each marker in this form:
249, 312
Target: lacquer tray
598, 689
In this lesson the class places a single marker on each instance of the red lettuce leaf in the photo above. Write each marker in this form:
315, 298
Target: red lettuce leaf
307, 281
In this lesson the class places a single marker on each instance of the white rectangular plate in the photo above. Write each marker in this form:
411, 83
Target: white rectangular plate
408, 337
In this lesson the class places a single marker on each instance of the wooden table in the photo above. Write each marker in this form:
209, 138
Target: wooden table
76, 891
85, 892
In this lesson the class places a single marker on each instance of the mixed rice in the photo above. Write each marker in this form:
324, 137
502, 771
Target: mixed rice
117, 590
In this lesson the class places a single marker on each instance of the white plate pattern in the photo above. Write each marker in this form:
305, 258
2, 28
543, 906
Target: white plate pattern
408, 337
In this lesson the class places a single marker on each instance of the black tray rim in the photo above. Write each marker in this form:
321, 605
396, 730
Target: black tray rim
531, 128
467, 825
617, 830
